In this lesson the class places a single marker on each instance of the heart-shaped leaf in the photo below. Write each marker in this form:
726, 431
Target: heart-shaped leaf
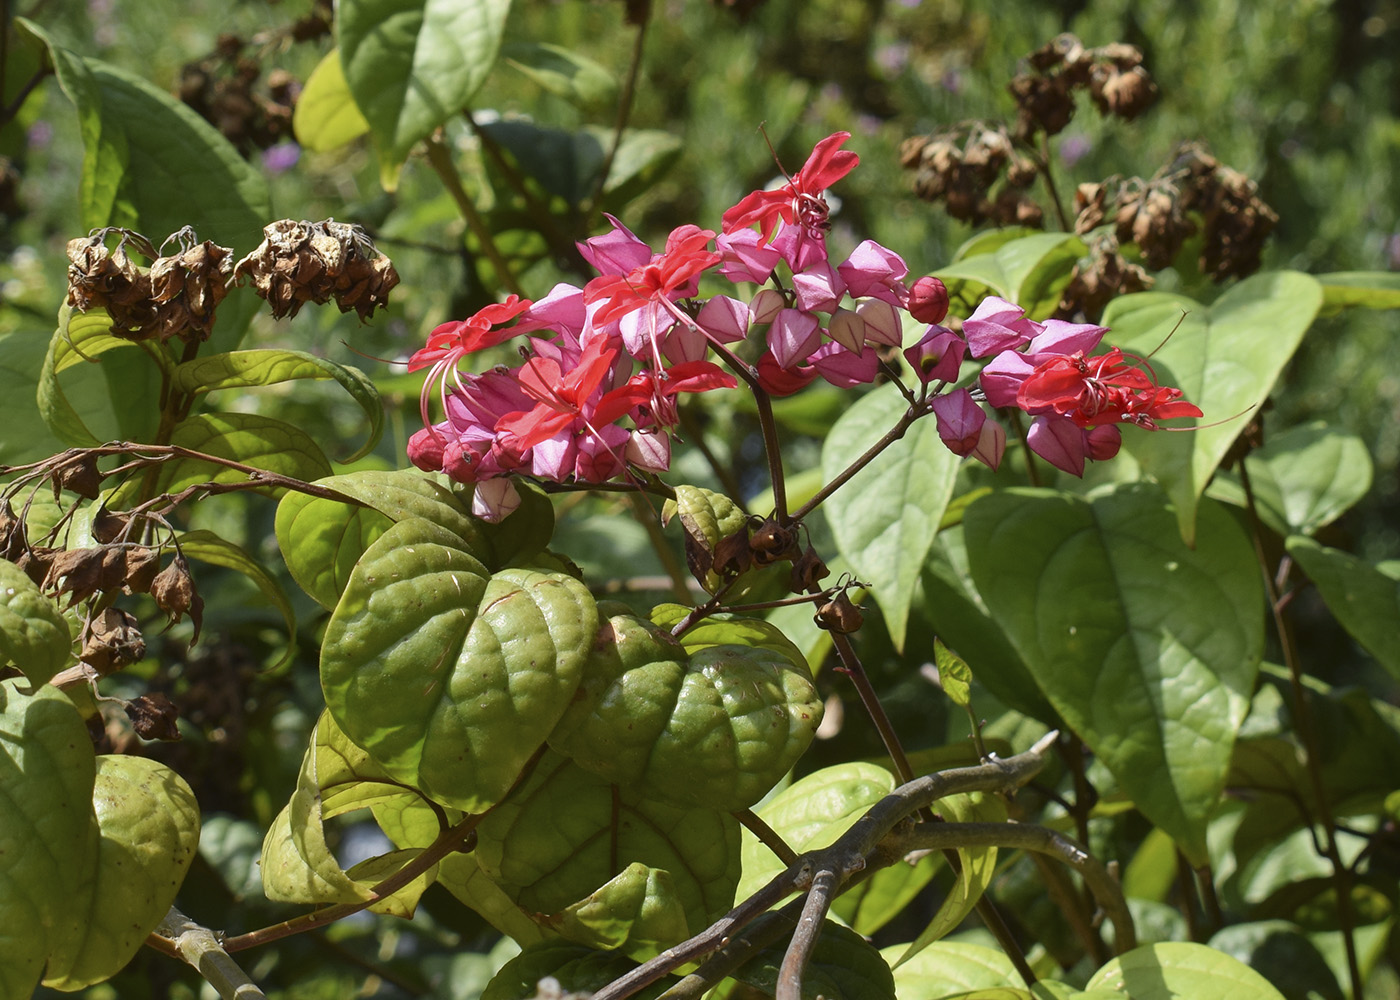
1225, 357
451, 677
148, 826
1147, 648
885, 519
716, 726
1365, 600
80, 337
326, 116
1172, 969
566, 831
951, 969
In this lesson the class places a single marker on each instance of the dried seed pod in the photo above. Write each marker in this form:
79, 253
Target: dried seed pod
154, 717
80, 572
300, 262
142, 564
808, 571
771, 542
81, 477
1125, 94
113, 641
174, 593
839, 615
1090, 200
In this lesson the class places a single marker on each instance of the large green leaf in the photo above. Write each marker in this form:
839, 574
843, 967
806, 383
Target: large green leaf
1225, 357
248, 438
321, 540
561, 836
1173, 969
243, 369
326, 115
148, 822
1303, 478
1147, 648
448, 675
47, 834
843, 966
1031, 271
1365, 599
885, 519
1359, 289
577, 968
564, 73
34, 635
713, 726
413, 64
151, 163
25, 435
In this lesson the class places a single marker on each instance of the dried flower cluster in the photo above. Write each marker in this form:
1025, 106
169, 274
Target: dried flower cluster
175, 297
959, 167
1160, 214
299, 262
1112, 75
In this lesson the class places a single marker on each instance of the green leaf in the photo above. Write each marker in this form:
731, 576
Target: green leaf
1225, 357
713, 726
47, 833
566, 163
1303, 479
148, 822
885, 519
577, 968
949, 600
25, 435
1147, 648
638, 911
34, 635
1282, 953
566, 74
321, 540
449, 676
1359, 289
1031, 271
326, 116
708, 519
843, 966
413, 64
1173, 969
555, 840
151, 163
208, 547
80, 337
978, 869
954, 675
251, 439
243, 369
1364, 599
951, 968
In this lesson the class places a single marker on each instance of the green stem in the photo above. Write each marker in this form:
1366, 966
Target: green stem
441, 161
891, 436
1043, 162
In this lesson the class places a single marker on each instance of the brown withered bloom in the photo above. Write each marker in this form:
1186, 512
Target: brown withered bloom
111, 641
299, 262
174, 593
1094, 284
154, 717
839, 615
189, 286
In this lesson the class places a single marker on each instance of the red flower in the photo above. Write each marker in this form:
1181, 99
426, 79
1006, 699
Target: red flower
1100, 390
668, 276
561, 397
476, 333
799, 200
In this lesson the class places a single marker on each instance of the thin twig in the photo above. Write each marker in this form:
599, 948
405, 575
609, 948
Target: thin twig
891, 436
766, 835
804, 939
200, 947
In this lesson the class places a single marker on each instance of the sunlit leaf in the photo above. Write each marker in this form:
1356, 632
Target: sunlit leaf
326, 116
1147, 648
1179, 968
1225, 357
950, 968
1030, 270
80, 337
34, 635
413, 64
885, 519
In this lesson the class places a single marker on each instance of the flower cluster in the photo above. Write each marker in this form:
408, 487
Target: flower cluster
604, 366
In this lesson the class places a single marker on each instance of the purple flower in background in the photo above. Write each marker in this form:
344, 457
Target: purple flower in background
281, 157
1074, 148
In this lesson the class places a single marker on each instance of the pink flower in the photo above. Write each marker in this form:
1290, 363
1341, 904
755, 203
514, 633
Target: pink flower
937, 356
960, 421
997, 325
873, 271
799, 201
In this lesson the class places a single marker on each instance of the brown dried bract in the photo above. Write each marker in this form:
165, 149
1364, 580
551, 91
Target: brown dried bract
154, 717
175, 594
112, 641
299, 262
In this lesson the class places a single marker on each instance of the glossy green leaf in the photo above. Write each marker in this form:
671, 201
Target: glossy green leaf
1365, 600
47, 833
577, 79
1303, 479
34, 635
326, 116
638, 910
714, 726
1173, 969
954, 675
413, 64
1360, 290
1147, 648
978, 868
729, 630
577, 968
948, 599
449, 676
25, 435
410, 493
148, 822
1225, 357
216, 550
555, 841
949, 969
1282, 953
244, 369
1032, 271
80, 337
321, 540
885, 519
248, 438
843, 966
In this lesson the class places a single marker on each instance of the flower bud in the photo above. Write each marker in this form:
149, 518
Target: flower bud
766, 305
928, 300
495, 500
882, 325
847, 329
937, 356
